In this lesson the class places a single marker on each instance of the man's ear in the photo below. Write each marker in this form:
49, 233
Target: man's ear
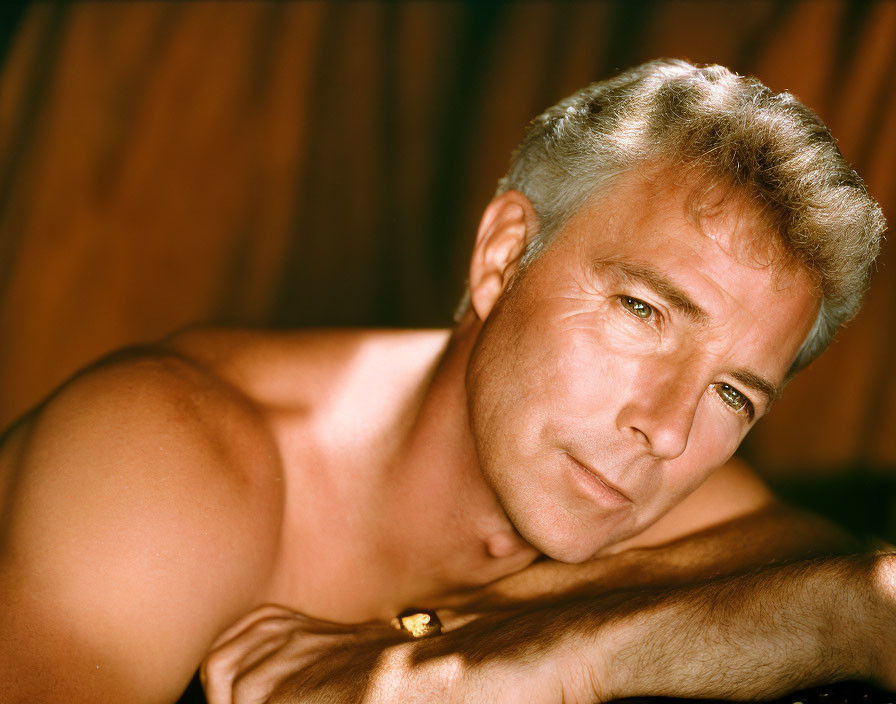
508, 224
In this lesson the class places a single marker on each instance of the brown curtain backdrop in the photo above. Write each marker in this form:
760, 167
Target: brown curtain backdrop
277, 164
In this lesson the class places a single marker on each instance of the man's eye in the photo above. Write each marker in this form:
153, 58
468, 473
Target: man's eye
734, 398
636, 307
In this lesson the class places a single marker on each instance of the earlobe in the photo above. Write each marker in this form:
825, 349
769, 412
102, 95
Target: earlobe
508, 224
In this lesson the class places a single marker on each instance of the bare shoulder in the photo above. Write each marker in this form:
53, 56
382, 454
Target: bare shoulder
272, 367
732, 491
140, 517
277, 367
329, 387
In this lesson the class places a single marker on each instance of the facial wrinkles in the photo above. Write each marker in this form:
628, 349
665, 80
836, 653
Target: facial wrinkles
710, 340
620, 271
587, 429
594, 318
686, 327
742, 311
742, 339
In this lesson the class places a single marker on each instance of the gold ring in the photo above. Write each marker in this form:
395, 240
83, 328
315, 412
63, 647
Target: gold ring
419, 623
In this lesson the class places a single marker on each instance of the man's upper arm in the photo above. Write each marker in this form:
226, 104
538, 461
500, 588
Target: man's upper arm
140, 517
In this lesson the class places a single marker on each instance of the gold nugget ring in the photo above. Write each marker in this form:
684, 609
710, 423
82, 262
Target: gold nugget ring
419, 623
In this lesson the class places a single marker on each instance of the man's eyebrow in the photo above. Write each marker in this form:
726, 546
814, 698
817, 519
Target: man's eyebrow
758, 383
658, 282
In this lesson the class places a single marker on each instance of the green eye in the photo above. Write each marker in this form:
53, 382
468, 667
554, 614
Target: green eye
733, 397
636, 307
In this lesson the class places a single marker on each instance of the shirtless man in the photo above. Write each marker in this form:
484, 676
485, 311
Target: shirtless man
668, 248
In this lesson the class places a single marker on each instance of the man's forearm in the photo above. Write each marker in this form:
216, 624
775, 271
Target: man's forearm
751, 636
756, 635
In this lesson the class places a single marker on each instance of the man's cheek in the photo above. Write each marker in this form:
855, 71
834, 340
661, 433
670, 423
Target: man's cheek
591, 370
714, 438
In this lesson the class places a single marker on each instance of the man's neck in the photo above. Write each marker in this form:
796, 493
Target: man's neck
382, 480
454, 532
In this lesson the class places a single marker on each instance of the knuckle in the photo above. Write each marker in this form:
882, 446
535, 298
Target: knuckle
215, 675
249, 689
271, 625
273, 610
215, 666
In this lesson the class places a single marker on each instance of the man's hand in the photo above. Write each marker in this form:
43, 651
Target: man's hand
278, 656
273, 644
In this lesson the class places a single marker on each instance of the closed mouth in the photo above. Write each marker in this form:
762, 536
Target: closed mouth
597, 475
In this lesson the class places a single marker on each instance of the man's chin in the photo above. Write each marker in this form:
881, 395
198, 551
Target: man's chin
569, 548
571, 536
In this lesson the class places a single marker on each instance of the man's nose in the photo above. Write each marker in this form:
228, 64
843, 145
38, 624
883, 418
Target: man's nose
659, 412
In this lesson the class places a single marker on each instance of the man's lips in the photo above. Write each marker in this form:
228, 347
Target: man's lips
600, 478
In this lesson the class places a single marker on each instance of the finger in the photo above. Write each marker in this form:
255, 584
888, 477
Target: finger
251, 618
302, 658
252, 658
225, 687
262, 633
257, 682
223, 663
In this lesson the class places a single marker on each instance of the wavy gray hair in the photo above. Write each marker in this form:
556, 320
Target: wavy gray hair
731, 129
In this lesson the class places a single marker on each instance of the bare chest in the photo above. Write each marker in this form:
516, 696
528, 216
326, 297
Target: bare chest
331, 567
332, 562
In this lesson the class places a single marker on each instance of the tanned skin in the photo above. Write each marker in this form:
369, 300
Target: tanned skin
558, 440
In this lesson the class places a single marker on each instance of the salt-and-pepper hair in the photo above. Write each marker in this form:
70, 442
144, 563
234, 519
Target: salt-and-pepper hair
733, 131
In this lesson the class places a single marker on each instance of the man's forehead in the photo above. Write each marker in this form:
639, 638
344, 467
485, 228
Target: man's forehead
657, 195
662, 191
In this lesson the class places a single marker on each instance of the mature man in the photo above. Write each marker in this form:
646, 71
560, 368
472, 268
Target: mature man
668, 248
